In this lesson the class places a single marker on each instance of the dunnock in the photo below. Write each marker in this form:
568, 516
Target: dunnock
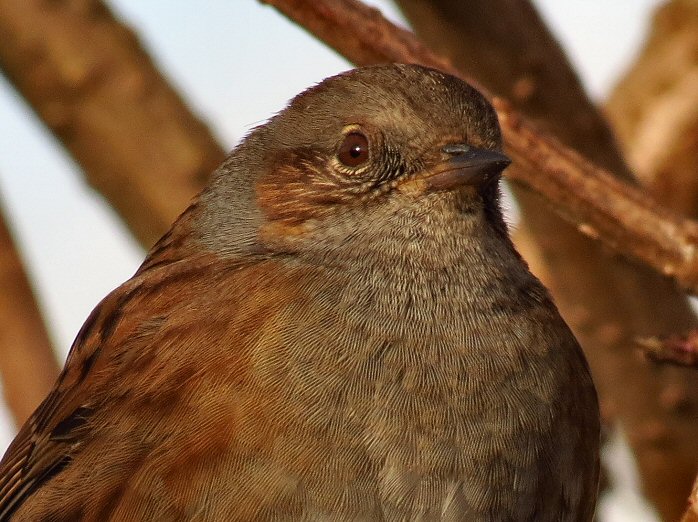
338, 328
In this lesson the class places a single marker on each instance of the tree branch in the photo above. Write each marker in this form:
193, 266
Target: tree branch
27, 361
655, 108
679, 350
88, 79
599, 204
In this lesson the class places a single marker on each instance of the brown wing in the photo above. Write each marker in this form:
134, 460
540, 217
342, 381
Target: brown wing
47, 440
118, 353
33, 457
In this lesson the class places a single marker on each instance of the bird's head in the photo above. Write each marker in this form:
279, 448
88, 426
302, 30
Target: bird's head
373, 147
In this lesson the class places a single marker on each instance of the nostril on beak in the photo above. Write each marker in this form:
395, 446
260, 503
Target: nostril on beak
455, 148
465, 165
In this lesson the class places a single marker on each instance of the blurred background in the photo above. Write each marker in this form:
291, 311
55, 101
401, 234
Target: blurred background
235, 63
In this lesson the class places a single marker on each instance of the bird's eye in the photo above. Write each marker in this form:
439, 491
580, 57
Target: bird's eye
354, 149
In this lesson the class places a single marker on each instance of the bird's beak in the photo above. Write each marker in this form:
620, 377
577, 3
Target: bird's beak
466, 166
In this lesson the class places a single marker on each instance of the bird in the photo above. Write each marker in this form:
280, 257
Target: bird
337, 328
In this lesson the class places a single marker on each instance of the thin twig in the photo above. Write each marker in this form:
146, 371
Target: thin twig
677, 350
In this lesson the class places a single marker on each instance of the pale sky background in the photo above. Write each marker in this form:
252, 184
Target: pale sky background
236, 62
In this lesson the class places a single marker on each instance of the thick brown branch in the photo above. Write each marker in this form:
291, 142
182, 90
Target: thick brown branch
655, 108
609, 302
27, 361
617, 213
87, 77
602, 206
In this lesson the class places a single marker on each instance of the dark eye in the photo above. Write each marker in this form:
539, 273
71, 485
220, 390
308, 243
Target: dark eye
354, 149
